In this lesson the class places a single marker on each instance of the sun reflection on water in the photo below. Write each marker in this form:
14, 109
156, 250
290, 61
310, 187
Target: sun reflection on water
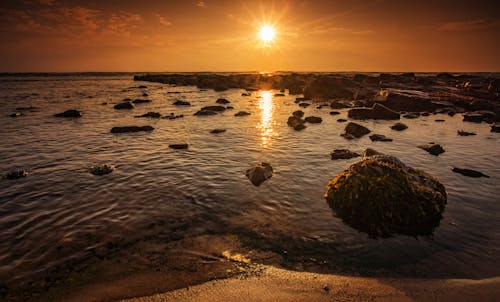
266, 106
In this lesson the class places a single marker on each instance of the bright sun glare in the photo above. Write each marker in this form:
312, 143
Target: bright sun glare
267, 33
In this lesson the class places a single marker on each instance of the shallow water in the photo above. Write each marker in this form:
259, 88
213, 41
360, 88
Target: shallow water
60, 212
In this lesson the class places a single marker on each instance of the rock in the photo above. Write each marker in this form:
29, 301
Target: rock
383, 197
205, 112
341, 120
379, 138
409, 102
304, 105
242, 113
330, 87
411, 115
355, 130
150, 114
145, 94
425, 113
334, 113
16, 174
296, 123
16, 114
301, 99
69, 113
181, 103
469, 172
215, 131
482, 105
142, 87
370, 152
178, 146
30, 108
259, 174
465, 133
229, 107
313, 119
222, 101
214, 108
399, 127
102, 169
246, 94
451, 113
339, 105
495, 128
298, 113
125, 129
432, 148
279, 94
139, 101
439, 120
172, 116
377, 112
124, 105
104, 103
343, 154
480, 116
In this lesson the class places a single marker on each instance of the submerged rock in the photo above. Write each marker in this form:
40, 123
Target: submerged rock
69, 113
124, 105
379, 138
16, 174
439, 120
343, 154
178, 146
242, 113
399, 127
102, 169
341, 120
469, 172
181, 103
383, 197
355, 130
259, 174
313, 119
377, 112
126, 129
465, 133
432, 148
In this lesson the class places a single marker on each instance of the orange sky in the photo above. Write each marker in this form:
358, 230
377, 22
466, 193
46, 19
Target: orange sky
221, 35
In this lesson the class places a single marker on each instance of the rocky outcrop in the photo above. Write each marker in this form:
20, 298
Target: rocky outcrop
69, 113
259, 174
383, 197
377, 112
125, 129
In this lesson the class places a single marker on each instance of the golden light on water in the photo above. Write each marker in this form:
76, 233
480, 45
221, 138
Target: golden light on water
266, 106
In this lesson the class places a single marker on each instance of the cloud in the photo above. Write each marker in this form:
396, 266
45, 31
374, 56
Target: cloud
468, 25
201, 4
163, 20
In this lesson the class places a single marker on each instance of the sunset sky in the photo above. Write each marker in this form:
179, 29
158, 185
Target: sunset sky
222, 35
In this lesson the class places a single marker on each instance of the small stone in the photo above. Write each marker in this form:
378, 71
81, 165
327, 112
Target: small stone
124, 105
343, 154
150, 114
469, 172
242, 113
102, 169
126, 129
432, 148
222, 101
178, 146
379, 138
304, 105
16, 174
334, 113
411, 115
341, 120
259, 174
215, 131
298, 113
69, 113
313, 119
181, 103
439, 120
399, 127
465, 133
139, 101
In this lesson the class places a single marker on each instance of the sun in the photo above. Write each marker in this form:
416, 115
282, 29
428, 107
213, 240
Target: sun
267, 34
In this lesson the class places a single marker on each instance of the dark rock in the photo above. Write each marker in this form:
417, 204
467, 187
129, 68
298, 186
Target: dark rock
259, 174
495, 128
304, 105
296, 123
215, 131
465, 133
330, 87
469, 172
379, 138
30, 108
145, 94
102, 169
214, 108
445, 76
425, 113
432, 148
205, 112
399, 127
279, 94
69, 113
242, 113
439, 120
124, 105
334, 113
172, 116
343, 154
313, 119
355, 130
222, 101
139, 101
178, 146
142, 87
301, 99
16, 114
150, 114
411, 115
479, 105
409, 102
246, 94
16, 174
298, 113
125, 129
229, 107
383, 197
451, 113
181, 103
339, 105
341, 120
480, 116
378, 112
104, 103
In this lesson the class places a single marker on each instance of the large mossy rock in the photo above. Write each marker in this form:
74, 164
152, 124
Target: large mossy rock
382, 197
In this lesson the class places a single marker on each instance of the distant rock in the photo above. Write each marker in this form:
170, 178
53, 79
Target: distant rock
16, 174
409, 102
379, 138
172, 116
246, 94
432, 148
150, 114
181, 103
355, 130
205, 112
304, 105
178, 146
216, 131
330, 87
298, 113
465, 133
145, 94
495, 128
214, 108
222, 101
139, 101
126, 129
242, 113
279, 94
334, 113
343, 154
313, 119
439, 120
102, 169
142, 87
296, 123
124, 105
377, 112
469, 172
69, 113
411, 115
341, 120
399, 127
480, 116
259, 174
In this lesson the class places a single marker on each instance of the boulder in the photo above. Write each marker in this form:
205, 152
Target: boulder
383, 197
69, 113
16, 174
399, 127
469, 172
124, 105
343, 154
178, 146
379, 138
259, 174
313, 119
242, 113
377, 112
126, 129
432, 148
181, 103
102, 169
222, 101
355, 130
